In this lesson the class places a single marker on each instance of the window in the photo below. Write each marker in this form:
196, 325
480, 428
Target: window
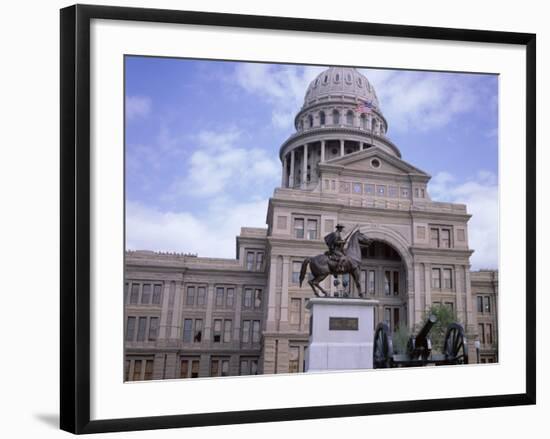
349, 118
296, 267
148, 375
489, 333
189, 368
440, 237
483, 304
248, 366
450, 306
157, 289
322, 117
294, 359
130, 328
153, 328
137, 370
146, 294
392, 191
436, 278
201, 296
245, 338
357, 188
230, 297
190, 301
391, 317
187, 330
447, 278
227, 331
434, 237
134, 293
310, 121
247, 299
250, 261
369, 189
387, 282
395, 286
295, 311
381, 190
371, 281
404, 192
219, 367
217, 331
142, 323
197, 335
257, 298
336, 117
219, 296
259, 261
126, 290
299, 228
311, 229
445, 238
481, 330
487, 304
256, 331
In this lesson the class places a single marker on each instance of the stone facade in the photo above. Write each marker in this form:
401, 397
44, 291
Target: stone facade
188, 316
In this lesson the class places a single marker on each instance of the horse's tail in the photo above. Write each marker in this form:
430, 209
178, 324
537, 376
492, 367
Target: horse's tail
304, 269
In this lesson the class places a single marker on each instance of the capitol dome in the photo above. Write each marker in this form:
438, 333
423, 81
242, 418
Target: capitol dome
341, 115
343, 82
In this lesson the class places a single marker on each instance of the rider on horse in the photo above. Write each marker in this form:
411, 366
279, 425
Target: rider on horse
335, 244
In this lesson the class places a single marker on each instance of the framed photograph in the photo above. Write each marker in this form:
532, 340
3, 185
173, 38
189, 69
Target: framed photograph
282, 218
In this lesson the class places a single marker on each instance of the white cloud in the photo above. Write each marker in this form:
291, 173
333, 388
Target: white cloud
137, 106
283, 87
220, 164
420, 100
211, 234
480, 194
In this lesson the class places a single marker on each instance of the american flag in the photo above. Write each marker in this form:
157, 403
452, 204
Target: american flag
364, 107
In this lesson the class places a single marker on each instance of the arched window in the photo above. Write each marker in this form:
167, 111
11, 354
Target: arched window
337, 78
349, 118
310, 121
373, 124
301, 125
336, 117
363, 121
322, 118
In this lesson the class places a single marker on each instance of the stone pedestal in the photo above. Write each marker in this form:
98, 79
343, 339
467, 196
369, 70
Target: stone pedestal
341, 334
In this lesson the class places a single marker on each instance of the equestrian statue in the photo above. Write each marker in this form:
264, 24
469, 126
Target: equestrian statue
343, 257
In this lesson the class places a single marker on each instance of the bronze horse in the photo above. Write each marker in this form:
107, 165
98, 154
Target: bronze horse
321, 265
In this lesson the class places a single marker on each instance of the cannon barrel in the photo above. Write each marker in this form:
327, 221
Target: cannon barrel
423, 333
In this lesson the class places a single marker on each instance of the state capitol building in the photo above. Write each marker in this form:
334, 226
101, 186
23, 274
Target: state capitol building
188, 316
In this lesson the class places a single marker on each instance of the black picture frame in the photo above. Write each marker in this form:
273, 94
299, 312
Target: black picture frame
75, 217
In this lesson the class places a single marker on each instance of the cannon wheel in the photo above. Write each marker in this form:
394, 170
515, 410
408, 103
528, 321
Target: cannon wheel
455, 347
383, 347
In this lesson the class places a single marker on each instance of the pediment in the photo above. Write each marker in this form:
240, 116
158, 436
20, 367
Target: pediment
373, 160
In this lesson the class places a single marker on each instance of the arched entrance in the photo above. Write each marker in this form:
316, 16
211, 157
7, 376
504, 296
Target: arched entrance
386, 275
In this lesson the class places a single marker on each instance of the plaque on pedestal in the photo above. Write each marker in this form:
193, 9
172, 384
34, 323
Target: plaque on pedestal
341, 334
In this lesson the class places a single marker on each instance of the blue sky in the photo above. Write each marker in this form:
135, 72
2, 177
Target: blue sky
202, 141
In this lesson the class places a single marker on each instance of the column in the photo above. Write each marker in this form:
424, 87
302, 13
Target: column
361, 146
291, 179
322, 151
417, 298
178, 311
342, 147
164, 330
428, 285
284, 294
208, 318
304, 166
271, 324
284, 182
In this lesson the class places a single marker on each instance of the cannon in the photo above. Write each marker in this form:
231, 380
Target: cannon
419, 347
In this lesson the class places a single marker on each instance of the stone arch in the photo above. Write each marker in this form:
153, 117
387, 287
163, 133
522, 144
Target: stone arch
398, 242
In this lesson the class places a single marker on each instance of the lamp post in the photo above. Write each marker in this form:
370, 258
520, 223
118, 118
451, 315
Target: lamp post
477, 345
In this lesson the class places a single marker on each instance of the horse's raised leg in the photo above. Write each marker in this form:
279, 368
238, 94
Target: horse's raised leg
314, 283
